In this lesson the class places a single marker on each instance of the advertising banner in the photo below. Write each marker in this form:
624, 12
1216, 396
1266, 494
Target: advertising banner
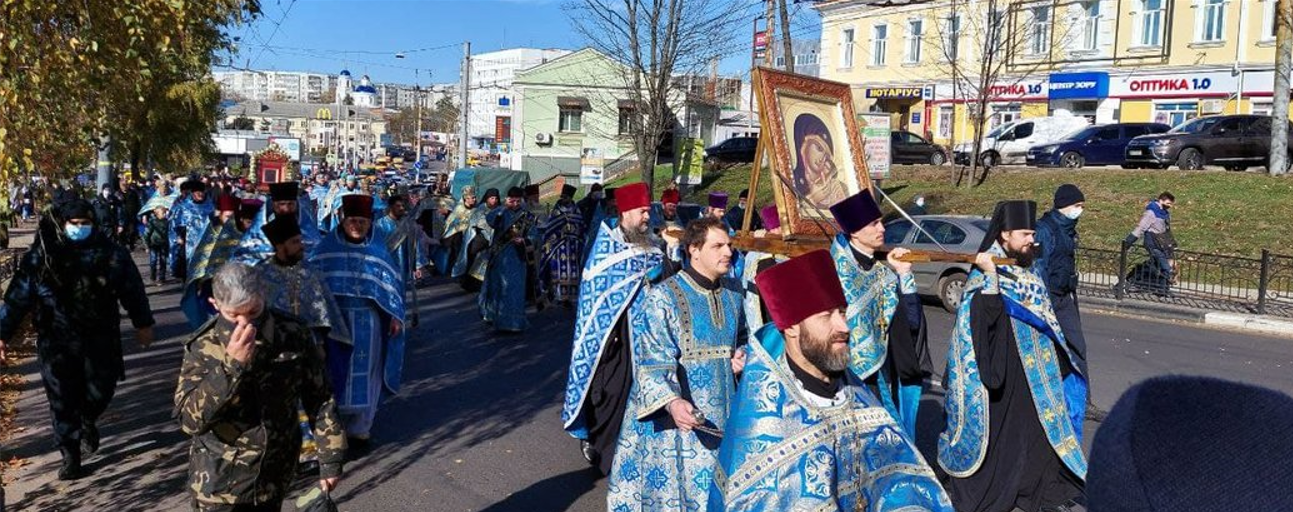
689, 160
591, 166
876, 129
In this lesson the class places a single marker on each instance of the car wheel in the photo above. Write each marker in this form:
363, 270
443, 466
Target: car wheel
988, 159
1190, 160
1072, 160
950, 289
937, 159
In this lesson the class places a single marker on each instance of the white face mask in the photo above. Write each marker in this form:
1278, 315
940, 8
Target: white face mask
1073, 213
920, 201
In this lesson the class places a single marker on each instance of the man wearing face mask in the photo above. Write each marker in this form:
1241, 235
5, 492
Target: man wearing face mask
1057, 264
72, 280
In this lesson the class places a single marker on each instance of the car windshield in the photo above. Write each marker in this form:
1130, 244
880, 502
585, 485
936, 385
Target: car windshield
1196, 126
999, 130
981, 224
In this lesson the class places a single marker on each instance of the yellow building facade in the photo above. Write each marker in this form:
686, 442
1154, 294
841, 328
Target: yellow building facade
1108, 60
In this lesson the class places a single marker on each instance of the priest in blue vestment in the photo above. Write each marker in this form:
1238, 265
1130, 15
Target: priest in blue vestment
561, 251
622, 264
219, 241
756, 314
398, 232
888, 346
802, 435
370, 293
1008, 441
284, 199
687, 352
294, 287
189, 219
506, 287
470, 267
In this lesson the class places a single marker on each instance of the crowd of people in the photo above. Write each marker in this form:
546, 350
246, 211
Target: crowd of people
702, 377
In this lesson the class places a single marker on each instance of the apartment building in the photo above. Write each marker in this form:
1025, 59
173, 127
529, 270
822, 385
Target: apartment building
1108, 60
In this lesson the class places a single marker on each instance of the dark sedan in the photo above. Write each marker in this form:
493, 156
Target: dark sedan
736, 150
1093, 145
909, 148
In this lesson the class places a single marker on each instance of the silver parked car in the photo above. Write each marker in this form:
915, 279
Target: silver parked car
957, 233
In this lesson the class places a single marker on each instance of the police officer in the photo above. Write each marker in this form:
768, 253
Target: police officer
72, 279
243, 375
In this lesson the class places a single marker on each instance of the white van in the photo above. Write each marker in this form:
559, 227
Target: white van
1009, 143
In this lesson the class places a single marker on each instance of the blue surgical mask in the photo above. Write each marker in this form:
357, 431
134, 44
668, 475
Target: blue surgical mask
1073, 213
77, 233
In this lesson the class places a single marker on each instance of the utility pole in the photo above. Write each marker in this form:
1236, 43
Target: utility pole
785, 37
769, 40
464, 97
754, 53
417, 136
1280, 113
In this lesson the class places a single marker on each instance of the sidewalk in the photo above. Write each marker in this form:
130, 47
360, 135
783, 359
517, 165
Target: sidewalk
1225, 320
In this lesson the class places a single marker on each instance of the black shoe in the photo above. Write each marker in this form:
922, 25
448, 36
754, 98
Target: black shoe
1095, 414
590, 453
357, 447
89, 439
71, 468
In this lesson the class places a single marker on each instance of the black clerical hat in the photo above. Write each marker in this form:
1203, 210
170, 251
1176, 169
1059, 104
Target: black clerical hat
281, 229
1010, 216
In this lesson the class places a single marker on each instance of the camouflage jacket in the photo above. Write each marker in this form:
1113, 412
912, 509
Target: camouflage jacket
243, 419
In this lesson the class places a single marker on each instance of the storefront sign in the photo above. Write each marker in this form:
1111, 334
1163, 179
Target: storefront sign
1017, 91
895, 93
1074, 86
1190, 85
591, 165
760, 44
876, 130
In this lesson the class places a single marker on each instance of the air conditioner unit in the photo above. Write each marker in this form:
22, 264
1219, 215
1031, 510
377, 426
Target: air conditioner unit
543, 138
1212, 106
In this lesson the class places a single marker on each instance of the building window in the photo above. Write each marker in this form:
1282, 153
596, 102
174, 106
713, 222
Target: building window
952, 39
847, 48
1040, 35
915, 31
996, 28
1007, 113
1150, 23
571, 120
1212, 21
626, 121
946, 116
1268, 21
1173, 114
879, 44
781, 62
1091, 25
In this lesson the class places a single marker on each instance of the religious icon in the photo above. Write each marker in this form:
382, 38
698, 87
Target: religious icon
814, 145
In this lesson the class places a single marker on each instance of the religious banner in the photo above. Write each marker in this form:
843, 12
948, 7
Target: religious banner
689, 160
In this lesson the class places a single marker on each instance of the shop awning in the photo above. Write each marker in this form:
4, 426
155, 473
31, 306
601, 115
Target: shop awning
573, 102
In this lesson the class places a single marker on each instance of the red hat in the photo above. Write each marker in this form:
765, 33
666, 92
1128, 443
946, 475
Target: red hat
670, 196
248, 208
632, 196
227, 203
357, 205
800, 287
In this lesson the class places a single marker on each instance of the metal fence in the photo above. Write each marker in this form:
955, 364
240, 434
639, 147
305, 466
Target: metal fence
1261, 285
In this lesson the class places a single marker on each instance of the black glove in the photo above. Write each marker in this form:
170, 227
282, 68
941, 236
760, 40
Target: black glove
1127, 242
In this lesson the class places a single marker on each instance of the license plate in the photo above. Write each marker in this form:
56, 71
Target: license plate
1135, 152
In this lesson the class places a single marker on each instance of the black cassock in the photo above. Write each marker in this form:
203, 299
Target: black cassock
1020, 468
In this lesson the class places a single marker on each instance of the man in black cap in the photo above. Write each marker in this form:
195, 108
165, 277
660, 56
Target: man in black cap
1057, 264
285, 199
72, 279
293, 287
506, 283
1009, 441
735, 216
561, 251
189, 219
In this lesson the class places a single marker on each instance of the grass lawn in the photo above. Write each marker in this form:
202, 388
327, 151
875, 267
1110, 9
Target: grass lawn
1217, 212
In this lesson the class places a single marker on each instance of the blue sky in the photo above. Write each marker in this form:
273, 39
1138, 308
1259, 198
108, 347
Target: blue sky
364, 35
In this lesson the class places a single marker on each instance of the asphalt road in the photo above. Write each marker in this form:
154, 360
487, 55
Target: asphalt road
476, 426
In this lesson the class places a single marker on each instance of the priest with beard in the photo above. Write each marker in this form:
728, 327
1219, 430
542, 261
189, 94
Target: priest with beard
293, 287
624, 263
802, 434
1008, 441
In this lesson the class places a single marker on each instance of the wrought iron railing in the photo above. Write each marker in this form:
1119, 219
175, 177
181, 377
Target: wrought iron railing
1262, 285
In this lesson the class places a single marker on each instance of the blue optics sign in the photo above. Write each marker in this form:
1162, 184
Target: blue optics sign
1079, 86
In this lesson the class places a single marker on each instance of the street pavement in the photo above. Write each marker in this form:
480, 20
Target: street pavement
477, 424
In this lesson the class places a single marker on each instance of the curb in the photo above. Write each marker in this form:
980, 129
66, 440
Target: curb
1223, 320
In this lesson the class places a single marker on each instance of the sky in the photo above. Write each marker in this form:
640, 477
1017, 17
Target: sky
363, 36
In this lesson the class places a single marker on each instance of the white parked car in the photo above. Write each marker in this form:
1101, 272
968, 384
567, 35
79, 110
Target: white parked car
1010, 142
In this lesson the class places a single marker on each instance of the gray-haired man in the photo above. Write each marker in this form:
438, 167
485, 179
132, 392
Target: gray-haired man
244, 370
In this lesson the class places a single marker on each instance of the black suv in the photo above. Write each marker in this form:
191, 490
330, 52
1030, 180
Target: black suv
1235, 142
736, 150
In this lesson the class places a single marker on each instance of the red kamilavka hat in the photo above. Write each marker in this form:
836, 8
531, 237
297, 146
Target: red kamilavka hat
670, 196
632, 196
800, 287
